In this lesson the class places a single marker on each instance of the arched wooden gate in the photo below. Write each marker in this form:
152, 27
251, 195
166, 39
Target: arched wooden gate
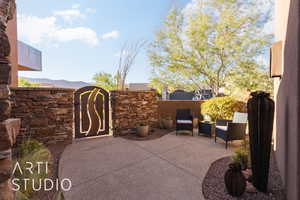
91, 112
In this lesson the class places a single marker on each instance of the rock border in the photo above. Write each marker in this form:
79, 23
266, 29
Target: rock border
213, 186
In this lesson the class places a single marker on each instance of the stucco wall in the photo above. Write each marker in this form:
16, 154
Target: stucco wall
130, 107
287, 95
46, 114
168, 108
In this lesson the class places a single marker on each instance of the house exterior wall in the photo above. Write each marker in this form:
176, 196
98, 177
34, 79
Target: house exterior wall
12, 36
287, 93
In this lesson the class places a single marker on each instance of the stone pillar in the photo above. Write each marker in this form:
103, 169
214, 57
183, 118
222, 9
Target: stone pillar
9, 128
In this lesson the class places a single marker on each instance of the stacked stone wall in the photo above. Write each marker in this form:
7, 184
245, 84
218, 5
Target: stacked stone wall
46, 114
132, 107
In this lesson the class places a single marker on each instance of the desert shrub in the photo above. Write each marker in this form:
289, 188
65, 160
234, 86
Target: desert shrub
141, 124
241, 156
32, 152
30, 146
222, 107
21, 196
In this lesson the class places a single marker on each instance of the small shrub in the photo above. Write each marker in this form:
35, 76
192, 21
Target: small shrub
222, 108
21, 196
241, 156
141, 124
31, 152
30, 146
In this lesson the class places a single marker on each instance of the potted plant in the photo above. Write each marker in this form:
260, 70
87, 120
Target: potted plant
241, 156
168, 122
142, 129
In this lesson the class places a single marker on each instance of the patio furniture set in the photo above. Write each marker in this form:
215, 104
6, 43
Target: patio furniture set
227, 130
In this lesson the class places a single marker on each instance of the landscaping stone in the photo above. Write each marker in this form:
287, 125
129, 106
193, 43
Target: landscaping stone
214, 187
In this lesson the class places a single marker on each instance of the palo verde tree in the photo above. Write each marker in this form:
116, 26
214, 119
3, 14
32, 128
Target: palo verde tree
210, 44
105, 81
22, 82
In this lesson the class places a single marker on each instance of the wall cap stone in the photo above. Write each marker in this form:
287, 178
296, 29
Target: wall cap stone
182, 100
133, 91
41, 89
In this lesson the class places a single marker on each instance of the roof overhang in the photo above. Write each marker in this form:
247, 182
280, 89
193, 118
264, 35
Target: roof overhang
29, 58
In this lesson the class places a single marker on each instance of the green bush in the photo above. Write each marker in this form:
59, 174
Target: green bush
222, 108
241, 156
30, 146
31, 152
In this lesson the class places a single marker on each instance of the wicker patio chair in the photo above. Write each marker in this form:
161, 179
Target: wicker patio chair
230, 130
184, 120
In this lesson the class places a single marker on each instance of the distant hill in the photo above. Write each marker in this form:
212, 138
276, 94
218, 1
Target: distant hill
58, 83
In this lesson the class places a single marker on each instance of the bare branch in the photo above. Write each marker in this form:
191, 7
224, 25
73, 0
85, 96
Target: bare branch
128, 54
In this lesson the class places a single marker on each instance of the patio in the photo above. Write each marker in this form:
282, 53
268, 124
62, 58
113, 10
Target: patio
170, 167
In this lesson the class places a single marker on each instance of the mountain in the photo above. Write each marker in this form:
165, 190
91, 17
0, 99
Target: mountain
58, 83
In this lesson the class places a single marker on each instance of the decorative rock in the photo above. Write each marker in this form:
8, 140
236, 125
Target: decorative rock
234, 180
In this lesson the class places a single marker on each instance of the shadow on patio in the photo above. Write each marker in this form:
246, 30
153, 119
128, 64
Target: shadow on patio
170, 167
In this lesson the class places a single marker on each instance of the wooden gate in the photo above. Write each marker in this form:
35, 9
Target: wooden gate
91, 112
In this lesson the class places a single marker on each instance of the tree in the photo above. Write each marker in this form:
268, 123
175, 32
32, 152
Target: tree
209, 45
25, 83
127, 57
249, 78
105, 81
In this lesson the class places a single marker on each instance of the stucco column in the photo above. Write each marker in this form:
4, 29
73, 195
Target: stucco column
9, 128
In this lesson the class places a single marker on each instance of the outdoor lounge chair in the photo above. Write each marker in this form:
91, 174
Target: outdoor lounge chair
184, 120
230, 130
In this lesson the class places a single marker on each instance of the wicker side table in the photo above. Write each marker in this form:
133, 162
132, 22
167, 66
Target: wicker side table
206, 128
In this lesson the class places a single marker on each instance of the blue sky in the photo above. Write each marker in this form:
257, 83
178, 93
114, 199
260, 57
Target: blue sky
81, 37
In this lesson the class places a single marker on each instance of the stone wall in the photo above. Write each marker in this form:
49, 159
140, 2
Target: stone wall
131, 107
46, 114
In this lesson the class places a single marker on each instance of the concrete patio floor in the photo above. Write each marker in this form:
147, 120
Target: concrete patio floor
108, 168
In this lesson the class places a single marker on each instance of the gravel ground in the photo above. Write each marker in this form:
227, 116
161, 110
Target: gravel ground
214, 187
